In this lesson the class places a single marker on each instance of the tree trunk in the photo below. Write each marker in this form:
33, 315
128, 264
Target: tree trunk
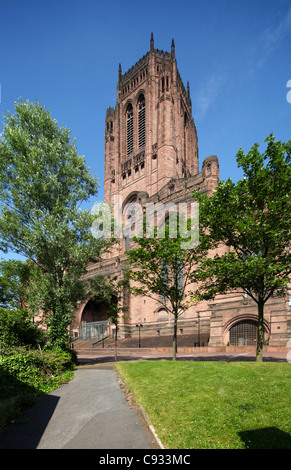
115, 348
260, 338
175, 337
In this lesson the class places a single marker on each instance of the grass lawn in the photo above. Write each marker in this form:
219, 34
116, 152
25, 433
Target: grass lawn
214, 405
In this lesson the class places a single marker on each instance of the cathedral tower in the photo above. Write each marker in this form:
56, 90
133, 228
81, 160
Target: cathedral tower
151, 156
150, 135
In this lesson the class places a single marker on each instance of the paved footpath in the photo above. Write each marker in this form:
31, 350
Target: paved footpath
90, 412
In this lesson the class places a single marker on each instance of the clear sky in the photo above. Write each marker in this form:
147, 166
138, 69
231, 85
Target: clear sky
236, 55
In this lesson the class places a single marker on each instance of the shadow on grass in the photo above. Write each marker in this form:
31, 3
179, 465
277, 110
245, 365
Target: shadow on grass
30, 413
122, 358
266, 438
10, 386
27, 435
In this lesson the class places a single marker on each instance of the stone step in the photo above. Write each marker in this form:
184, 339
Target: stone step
187, 341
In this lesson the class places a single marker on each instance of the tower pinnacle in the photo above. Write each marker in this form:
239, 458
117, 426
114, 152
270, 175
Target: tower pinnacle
152, 42
188, 89
173, 48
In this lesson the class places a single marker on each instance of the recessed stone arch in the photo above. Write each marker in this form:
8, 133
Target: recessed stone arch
128, 102
241, 330
140, 92
162, 314
141, 121
132, 197
132, 217
93, 310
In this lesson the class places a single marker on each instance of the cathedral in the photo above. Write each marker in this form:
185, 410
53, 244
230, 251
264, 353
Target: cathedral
151, 155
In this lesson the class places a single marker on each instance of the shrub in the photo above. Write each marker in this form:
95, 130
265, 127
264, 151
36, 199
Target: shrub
33, 372
26, 374
17, 329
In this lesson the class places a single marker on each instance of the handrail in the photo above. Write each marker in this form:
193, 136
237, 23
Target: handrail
99, 341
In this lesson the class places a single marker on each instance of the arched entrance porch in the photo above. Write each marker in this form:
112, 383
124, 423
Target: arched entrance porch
95, 310
96, 321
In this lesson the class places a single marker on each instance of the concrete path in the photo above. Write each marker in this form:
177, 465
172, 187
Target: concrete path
90, 412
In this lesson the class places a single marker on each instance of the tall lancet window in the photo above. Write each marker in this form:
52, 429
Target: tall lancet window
141, 121
129, 129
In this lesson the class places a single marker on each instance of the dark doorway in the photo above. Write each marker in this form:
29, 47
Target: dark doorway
95, 311
243, 333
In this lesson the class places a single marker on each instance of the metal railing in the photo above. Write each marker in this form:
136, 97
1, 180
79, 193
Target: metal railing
91, 330
99, 341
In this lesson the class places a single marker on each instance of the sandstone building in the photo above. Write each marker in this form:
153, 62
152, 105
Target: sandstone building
151, 155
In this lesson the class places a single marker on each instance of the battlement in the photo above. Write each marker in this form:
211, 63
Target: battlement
127, 76
150, 135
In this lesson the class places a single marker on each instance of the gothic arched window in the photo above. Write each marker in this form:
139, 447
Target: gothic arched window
141, 121
129, 129
185, 134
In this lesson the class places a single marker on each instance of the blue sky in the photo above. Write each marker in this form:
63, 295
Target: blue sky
236, 55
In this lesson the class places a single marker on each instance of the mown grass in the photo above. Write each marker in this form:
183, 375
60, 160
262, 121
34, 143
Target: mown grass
214, 405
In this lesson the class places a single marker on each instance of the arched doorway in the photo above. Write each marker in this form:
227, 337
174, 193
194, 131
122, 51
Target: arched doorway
95, 310
242, 330
95, 320
243, 333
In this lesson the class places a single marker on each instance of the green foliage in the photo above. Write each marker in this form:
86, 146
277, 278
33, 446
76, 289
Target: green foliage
26, 374
43, 183
161, 268
114, 294
33, 372
252, 220
14, 276
11, 408
17, 329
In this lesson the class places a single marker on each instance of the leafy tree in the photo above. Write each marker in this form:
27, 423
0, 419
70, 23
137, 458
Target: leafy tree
43, 183
115, 294
252, 220
17, 329
162, 269
16, 326
14, 277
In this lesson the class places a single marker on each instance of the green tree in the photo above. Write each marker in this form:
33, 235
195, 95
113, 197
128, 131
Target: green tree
16, 325
43, 183
14, 277
115, 295
252, 220
17, 329
162, 268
